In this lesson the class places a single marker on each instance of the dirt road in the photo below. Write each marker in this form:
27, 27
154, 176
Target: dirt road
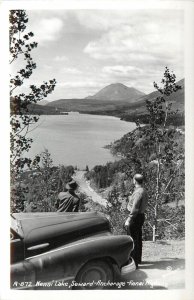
158, 273
162, 268
85, 188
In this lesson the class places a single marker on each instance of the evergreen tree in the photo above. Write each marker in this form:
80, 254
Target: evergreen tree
20, 119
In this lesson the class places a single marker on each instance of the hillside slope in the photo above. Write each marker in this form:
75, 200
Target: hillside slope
43, 102
87, 105
38, 109
176, 98
138, 110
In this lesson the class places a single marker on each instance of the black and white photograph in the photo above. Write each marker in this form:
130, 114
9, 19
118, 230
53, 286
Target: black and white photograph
97, 147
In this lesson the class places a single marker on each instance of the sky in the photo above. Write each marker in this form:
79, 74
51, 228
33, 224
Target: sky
86, 50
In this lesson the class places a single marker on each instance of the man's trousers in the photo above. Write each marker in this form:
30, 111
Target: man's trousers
135, 231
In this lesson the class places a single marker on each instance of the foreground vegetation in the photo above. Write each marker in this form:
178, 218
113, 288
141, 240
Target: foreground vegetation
36, 188
116, 213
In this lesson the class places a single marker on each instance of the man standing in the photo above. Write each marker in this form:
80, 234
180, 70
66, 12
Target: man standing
68, 201
137, 206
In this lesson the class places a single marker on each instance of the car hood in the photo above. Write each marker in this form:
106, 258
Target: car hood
55, 229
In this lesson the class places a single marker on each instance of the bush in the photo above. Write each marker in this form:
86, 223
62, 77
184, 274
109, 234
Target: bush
173, 228
37, 189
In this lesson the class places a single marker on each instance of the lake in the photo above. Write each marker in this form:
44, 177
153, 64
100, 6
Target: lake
77, 139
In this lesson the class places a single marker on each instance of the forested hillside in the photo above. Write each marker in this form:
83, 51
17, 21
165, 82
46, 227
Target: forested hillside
155, 150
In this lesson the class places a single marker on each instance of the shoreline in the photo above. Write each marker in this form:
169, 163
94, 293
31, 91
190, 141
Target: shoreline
83, 113
142, 119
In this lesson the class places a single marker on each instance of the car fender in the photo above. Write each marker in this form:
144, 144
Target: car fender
64, 263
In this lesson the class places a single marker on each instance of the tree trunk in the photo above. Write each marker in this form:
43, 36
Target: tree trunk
154, 233
155, 222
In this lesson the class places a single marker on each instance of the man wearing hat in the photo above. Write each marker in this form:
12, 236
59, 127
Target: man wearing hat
68, 201
136, 206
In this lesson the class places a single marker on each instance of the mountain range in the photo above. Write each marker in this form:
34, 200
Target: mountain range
115, 99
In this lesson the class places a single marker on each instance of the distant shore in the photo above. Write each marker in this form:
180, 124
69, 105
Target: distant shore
142, 118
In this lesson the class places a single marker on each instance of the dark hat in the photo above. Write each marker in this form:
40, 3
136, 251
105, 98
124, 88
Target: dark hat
72, 185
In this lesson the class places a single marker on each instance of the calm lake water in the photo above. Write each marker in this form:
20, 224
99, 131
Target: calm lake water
77, 139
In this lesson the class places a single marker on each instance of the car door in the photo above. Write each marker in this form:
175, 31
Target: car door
17, 247
22, 272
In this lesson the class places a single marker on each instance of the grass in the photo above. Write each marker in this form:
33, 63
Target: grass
161, 250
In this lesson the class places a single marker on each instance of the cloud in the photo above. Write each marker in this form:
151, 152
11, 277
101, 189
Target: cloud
60, 58
93, 48
47, 30
80, 84
72, 70
101, 20
79, 88
48, 67
155, 39
120, 70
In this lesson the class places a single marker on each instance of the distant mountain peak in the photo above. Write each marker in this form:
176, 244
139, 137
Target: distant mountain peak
117, 91
117, 84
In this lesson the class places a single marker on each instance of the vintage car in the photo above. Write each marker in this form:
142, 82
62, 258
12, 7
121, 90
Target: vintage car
67, 250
